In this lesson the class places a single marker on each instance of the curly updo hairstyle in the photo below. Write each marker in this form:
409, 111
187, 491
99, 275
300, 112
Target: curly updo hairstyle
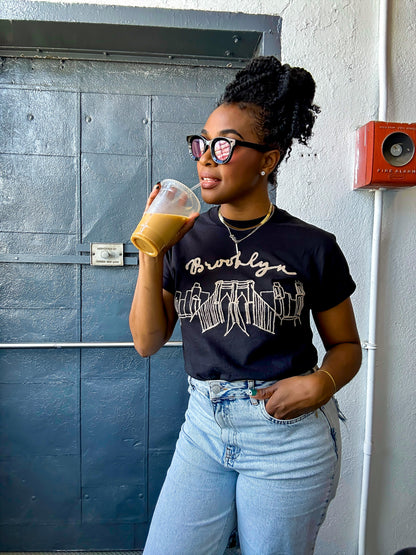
281, 99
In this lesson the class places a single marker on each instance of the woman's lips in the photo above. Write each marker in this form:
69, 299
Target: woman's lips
209, 182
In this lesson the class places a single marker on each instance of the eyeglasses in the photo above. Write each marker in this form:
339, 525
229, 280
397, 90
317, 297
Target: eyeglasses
222, 148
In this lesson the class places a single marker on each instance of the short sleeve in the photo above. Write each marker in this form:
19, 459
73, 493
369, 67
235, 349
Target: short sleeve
333, 282
168, 274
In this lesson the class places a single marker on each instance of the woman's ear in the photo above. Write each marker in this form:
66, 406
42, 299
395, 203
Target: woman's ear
270, 161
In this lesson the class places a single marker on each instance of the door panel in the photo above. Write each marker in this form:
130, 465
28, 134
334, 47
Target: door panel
47, 421
33, 500
25, 325
106, 300
39, 122
114, 124
114, 435
38, 366
44, 187
113, 196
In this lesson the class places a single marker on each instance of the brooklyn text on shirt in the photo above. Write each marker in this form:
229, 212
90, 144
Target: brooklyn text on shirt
197, 265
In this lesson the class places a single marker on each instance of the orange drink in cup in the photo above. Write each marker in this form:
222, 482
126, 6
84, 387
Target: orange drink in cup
172, 206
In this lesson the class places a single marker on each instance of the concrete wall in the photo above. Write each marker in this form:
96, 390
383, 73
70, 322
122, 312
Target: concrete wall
337, 41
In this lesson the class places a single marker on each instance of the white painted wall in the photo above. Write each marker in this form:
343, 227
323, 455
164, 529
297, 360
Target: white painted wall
337, 41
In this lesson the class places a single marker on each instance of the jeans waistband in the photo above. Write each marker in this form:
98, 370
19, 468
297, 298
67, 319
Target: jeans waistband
217, 390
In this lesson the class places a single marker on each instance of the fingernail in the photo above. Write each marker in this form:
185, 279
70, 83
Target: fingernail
253, 391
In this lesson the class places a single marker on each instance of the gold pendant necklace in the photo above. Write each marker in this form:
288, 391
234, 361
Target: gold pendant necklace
258, 226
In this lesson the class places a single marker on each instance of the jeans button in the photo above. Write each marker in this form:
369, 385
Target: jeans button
215, 389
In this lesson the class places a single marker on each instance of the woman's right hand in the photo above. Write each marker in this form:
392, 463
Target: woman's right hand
152, 195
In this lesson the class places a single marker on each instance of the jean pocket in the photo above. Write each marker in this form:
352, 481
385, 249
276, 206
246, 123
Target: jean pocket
191, 386
286, 422
331, 412
341, 415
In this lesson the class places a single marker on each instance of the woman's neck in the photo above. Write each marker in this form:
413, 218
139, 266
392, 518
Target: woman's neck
245, 211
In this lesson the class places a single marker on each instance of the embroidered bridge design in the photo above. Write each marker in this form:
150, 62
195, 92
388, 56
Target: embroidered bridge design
237, 303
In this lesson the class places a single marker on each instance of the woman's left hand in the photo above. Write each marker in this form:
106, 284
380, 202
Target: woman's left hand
291, 397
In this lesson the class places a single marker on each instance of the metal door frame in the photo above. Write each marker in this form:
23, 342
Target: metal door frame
118, 33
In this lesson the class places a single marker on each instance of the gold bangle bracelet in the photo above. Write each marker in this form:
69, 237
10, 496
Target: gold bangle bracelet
331, 376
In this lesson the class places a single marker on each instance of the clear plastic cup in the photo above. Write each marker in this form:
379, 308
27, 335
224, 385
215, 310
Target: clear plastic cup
172, 206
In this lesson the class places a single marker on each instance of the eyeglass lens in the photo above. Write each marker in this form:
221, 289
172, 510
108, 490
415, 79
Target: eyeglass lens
198, 147
221, 148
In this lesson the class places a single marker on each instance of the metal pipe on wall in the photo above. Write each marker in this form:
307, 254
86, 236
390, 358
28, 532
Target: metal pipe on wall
77, 345
375, 257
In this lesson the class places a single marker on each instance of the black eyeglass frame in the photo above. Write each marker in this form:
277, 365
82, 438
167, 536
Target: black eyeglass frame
211, 145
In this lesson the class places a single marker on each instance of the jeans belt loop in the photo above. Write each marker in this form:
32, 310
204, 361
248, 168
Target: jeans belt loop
250, 385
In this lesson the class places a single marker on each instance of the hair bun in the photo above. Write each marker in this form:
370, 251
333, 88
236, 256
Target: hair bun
299, 83
268, 75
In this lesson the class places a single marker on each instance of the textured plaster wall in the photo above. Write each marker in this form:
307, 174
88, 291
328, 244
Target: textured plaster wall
337, 41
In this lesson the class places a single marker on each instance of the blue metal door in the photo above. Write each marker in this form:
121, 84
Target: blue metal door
87, 427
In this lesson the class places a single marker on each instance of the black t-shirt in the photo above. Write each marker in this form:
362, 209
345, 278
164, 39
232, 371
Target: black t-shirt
246, 314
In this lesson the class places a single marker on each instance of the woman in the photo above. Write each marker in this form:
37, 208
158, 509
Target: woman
260, 446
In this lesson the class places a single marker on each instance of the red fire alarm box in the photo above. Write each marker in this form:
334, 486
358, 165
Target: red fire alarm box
385, 155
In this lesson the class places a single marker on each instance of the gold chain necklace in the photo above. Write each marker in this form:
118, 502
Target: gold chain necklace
258, 226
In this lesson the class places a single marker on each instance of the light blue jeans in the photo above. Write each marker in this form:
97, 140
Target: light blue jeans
235, 465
